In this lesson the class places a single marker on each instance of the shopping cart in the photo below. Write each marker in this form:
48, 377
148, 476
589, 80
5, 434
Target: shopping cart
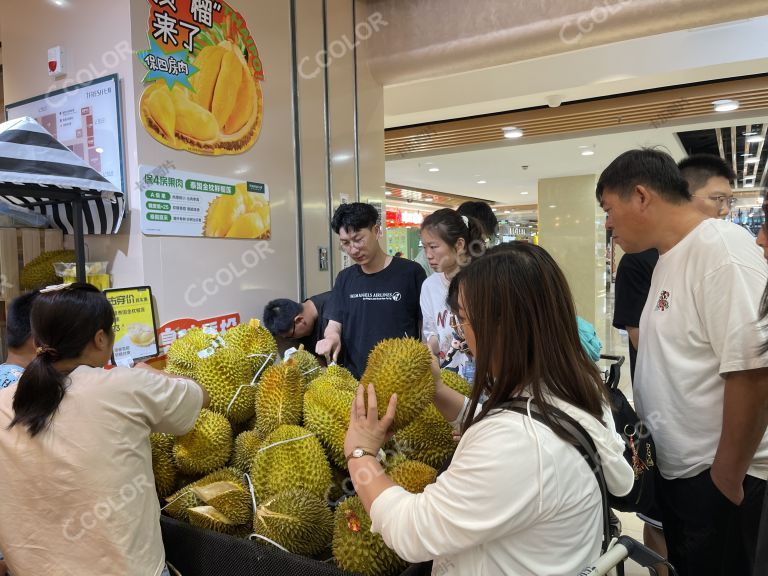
622, 549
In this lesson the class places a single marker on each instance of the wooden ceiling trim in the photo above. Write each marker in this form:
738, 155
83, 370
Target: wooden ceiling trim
652, 107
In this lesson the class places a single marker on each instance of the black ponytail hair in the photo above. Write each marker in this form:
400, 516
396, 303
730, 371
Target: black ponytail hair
63, 322
451, 226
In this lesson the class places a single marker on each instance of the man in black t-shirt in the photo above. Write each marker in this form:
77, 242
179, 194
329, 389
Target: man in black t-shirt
375, 299
300, 324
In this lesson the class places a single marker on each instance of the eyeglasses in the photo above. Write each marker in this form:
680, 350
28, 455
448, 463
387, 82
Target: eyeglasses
293, 330
457, 327
722, 201
356, 243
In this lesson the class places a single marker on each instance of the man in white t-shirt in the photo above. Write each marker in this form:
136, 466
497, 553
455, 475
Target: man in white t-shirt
700, 383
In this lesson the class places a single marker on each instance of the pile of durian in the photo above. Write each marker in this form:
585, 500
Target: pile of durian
266, 460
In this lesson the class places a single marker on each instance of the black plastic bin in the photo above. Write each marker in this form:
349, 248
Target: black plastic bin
196, 552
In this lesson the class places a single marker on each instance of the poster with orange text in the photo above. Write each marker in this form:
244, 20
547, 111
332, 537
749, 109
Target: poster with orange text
203, 91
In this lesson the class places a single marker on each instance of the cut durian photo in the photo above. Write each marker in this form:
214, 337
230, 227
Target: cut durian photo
242, 215
222, 113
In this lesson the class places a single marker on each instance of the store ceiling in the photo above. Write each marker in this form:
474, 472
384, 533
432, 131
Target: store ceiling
511, 171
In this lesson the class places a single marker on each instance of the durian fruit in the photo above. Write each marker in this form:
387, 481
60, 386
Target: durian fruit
290, 457
182, 357
184, 498
401, 366
339, 377
227, 375
232, 499
39, 272
308, 365
326, 414
163, 464
206, 447
428, 439
297, 519
246, 445
223, 112
279, 398
412, 475
209, 518
356, 548
455, 382
255, 342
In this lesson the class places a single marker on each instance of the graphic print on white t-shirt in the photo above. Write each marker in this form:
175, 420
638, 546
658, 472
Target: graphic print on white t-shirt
663, 303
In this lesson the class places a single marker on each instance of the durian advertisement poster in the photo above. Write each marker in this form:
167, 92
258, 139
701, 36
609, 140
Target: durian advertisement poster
179, 203
203, 91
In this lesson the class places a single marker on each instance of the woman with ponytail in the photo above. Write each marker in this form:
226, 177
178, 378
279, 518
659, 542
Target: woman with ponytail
450, 242
77, 486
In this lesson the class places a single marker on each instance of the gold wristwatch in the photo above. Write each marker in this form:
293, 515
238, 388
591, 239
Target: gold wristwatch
359, 453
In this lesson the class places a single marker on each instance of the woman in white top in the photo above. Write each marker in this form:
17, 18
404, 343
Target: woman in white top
517, 499
450, 241
77, 493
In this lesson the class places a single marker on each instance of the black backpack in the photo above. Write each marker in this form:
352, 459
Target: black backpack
639, 450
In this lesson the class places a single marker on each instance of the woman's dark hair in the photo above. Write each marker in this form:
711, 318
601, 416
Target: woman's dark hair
482, 212
450, 227
280, 315
63, 323
648, 167
354, 216
521, 310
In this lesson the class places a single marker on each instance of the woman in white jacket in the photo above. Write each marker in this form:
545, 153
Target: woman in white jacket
517, 499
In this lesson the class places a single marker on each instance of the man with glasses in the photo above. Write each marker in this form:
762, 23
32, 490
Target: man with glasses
376, 298
300, 324
709, 182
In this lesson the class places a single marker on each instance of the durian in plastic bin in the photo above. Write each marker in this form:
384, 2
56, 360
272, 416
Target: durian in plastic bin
95, 273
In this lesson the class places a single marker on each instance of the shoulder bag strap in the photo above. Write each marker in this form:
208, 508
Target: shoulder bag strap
582, 441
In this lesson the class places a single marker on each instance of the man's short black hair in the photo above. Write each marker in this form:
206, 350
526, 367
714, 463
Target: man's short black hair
482, 212
279, 315
18, 325
644, 167
697, 169
354, 216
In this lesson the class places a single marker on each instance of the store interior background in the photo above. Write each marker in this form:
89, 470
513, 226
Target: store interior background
374, 123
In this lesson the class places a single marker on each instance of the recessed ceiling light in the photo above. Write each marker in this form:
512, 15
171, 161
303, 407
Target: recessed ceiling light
434, 169
481, 182
512, 132
387, 193
747, 155
429, 199
523, 193
494, 210
553, 205
725, 105
428, 163
99, 150
751, 160
754, 139
587, 152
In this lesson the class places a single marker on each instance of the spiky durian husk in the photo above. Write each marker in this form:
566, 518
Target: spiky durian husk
206, 447
297, 519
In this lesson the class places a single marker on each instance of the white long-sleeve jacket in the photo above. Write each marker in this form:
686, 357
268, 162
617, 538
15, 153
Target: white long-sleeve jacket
516, 500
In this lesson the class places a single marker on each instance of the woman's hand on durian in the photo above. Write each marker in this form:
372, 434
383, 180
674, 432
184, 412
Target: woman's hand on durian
365, 430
